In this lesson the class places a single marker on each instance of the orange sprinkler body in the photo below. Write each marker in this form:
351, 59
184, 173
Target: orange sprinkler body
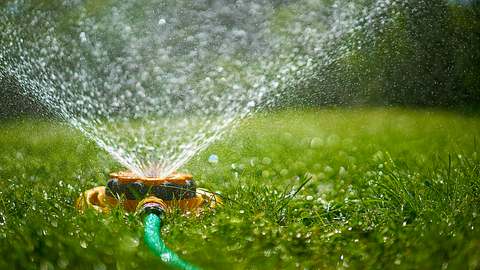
134, 193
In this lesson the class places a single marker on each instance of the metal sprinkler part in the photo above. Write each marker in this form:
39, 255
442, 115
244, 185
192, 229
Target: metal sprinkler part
148, 194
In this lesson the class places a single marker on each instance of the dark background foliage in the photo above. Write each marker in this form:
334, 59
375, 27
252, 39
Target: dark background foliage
429, 56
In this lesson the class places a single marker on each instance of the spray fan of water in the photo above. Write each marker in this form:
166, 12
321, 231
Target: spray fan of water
155, 82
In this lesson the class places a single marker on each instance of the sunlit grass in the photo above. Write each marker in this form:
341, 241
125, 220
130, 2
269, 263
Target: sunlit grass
388, 189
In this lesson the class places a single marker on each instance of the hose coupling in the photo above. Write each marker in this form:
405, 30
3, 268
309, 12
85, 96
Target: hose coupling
151, 205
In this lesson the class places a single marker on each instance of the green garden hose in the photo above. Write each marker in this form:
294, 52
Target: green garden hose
152, 225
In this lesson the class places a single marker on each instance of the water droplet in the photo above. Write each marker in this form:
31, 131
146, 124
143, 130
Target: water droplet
213, 159
62, 262
100, 266
333, 140
83, 37
266, 161
130, 243
83, 244
2, 219
316, 142
166, 257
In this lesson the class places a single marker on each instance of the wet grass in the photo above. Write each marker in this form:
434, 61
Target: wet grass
388, 189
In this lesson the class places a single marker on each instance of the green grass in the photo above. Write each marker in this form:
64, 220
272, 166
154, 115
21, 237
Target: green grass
389, 189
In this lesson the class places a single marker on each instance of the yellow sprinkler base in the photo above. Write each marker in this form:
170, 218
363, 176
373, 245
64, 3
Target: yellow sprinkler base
133, 193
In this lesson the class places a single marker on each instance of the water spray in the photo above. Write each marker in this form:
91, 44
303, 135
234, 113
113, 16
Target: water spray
153, 198
134, 85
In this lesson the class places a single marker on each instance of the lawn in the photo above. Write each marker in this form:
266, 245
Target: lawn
388, 188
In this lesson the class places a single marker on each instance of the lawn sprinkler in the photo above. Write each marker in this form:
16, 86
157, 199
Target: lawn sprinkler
152, 197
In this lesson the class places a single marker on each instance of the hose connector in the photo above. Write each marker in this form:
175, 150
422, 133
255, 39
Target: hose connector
151, 205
